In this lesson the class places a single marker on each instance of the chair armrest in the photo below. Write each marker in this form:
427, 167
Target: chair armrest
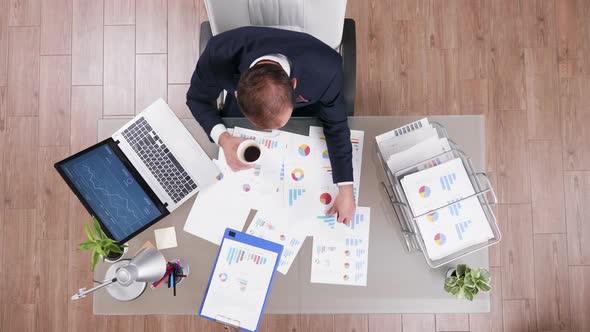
349, 64
205, 35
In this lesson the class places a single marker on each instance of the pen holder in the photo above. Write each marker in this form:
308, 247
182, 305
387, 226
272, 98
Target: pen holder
184, 270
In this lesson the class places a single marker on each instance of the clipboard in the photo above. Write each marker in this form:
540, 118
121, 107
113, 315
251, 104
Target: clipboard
240, 280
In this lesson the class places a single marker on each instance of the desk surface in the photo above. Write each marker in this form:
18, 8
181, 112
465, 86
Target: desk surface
398, 282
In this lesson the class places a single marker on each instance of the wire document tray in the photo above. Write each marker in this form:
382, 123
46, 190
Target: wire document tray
410, 230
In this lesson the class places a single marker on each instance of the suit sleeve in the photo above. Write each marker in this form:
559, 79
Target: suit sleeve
203, 93
335, 122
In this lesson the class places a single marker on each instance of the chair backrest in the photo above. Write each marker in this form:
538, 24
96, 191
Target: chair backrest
323, 19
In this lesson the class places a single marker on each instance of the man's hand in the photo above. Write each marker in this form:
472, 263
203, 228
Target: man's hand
230, 144
344, 205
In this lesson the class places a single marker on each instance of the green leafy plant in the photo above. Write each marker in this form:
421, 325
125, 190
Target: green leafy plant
100, 243
465, 282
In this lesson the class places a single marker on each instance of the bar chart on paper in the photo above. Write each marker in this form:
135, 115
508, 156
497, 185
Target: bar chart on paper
455, 207
355, 143
461, 228
352, 242
295, 194
329, 220
447, 181
236, 255
324, 249
266, 142
358, 219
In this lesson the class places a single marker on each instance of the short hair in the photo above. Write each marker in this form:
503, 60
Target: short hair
264, 91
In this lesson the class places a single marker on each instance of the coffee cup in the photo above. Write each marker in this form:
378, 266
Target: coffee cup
249, 151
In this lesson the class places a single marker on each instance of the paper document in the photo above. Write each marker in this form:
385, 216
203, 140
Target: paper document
402, 138
437, 186
454, 228
420, 152
340, 253
401, 131
239, 284
223, 205
357, 139
274, 227
404, 142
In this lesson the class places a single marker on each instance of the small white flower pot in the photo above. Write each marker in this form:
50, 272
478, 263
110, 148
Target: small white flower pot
114, 260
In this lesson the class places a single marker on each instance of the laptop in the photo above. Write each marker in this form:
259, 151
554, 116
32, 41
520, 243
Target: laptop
140, 174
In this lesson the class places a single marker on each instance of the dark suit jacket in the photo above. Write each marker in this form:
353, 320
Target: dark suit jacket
316, 66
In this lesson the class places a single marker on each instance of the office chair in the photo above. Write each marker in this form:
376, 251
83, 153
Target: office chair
322, 19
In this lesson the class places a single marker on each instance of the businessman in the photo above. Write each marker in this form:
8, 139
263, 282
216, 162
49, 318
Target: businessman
269, 75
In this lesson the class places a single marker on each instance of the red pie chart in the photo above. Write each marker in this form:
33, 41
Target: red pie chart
326, 198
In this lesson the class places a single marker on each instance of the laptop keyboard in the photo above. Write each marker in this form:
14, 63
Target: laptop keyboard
159, 160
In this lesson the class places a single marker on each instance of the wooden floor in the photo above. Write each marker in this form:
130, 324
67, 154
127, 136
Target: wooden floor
525, 64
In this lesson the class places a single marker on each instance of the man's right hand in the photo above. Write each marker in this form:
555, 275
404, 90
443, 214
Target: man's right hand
230, 145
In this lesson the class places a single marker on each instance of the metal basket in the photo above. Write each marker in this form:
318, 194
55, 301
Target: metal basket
410, 230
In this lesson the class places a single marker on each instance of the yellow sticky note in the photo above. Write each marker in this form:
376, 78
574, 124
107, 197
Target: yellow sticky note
165, 238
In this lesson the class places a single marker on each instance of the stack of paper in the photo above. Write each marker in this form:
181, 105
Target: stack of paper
291, 188
435, 185
412, 144
455, 227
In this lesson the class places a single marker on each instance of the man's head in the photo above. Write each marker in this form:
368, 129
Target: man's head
265, 95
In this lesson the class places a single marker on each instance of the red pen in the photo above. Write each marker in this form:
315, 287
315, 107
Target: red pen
157, 283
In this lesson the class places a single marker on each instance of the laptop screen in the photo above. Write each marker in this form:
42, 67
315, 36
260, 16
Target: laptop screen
109, 188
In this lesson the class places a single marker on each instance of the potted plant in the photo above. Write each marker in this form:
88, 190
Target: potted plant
102, 246
464, 282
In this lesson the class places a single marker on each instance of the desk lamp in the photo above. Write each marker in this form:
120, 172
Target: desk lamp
127, 279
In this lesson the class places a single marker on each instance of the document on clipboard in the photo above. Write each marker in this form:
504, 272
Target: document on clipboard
241, 280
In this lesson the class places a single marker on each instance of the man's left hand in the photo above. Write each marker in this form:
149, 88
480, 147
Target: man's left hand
344, 205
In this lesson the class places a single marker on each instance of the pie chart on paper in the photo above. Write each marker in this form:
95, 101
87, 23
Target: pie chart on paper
432, 217
304, 150
440, 239
424, 191
326, 198
297, 174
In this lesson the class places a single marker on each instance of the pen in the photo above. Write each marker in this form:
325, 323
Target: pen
174, 278
171, 281
157, 283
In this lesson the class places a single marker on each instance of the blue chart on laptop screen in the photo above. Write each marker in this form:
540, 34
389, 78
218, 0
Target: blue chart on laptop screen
112, 192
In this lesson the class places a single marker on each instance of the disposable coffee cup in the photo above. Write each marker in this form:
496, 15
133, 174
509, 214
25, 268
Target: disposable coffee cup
249, 151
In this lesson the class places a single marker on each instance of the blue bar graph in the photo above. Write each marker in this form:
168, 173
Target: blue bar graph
360, 252
360, 265
330, 220
356, 220
461, 228
282, 173
294, 242
287, 253
351, 242
454, 208
447, 181
359, 276
294, 194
